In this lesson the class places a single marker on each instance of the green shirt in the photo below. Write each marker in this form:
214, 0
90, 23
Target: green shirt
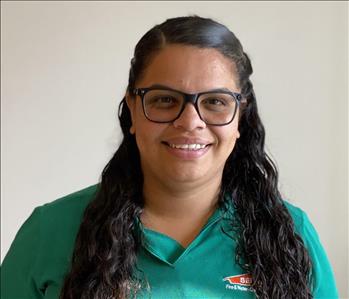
39, 257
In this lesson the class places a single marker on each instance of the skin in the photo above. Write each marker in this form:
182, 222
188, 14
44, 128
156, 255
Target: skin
181, 194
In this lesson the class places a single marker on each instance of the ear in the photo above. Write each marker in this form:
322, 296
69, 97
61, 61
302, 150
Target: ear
238, 124
131, 104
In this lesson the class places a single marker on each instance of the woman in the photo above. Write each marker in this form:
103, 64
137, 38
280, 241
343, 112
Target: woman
188, 207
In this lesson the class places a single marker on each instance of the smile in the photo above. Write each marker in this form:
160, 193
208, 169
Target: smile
188, 147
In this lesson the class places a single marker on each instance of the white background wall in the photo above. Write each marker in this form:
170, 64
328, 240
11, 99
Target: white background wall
64, 69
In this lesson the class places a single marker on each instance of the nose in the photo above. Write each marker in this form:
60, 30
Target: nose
189, 119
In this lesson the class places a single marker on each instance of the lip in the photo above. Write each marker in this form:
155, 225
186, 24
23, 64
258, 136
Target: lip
187, 140
187, 154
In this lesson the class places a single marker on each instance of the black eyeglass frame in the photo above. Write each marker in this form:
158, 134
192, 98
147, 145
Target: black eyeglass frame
189, 98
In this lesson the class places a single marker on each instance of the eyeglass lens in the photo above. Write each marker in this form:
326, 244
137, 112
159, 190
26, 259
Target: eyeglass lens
165, 106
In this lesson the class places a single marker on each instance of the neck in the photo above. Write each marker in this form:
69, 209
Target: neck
182, 201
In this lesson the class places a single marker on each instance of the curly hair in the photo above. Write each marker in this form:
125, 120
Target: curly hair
104, 260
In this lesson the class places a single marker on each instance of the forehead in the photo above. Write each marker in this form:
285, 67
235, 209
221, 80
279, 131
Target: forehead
190, 69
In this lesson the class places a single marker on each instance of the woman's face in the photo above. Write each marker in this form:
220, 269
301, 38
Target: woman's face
191, 70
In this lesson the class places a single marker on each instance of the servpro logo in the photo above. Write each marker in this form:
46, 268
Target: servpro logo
240, 282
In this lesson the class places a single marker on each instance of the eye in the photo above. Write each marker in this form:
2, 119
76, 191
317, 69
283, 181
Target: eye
165, 99
214, 102
217, 103
162, 101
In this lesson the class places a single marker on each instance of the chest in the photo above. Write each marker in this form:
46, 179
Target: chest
205, 269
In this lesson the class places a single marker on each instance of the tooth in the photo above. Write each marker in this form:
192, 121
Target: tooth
191, 147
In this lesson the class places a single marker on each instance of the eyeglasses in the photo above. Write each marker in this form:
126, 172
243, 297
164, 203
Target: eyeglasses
163, 105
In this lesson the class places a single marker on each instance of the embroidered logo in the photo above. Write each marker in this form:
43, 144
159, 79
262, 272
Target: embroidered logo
240, 282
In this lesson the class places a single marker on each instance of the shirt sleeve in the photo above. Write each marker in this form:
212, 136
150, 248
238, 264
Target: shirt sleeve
17, 270
324, 281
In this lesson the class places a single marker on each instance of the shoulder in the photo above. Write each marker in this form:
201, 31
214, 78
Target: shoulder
75, 202
303, 226
60, 219
298, 215
302, 223
43, 246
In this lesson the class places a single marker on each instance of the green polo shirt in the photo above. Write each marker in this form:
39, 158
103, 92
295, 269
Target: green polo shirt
39, 257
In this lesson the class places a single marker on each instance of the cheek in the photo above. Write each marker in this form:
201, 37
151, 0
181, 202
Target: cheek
227, 136
139, 122
143, 138
148, 135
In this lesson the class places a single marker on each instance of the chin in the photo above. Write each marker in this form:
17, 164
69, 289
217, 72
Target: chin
186, 175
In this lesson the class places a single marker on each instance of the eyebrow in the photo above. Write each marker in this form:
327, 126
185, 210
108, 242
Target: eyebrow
170, 88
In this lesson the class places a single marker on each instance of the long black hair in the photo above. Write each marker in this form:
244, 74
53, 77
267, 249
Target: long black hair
104, 261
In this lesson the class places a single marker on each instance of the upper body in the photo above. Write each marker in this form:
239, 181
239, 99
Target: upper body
40, 257
193, 143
